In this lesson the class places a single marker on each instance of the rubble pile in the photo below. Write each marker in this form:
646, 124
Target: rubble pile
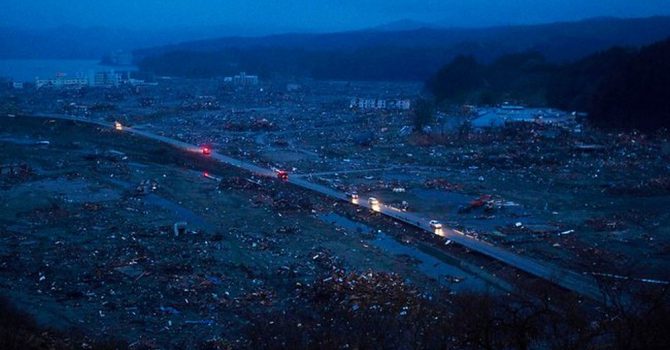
488, 203
326, 260
291, 201
354, 310
48, 215
526, 230
110, 162
443, 184
239, 183
20, 169
254, 124
283, 201
94, 207
653, 187
201, 103
288, 230
146, 186
605, 224
378, 291
11, 174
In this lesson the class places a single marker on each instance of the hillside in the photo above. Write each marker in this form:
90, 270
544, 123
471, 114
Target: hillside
74, 42
395, 55
638, 95
620, 88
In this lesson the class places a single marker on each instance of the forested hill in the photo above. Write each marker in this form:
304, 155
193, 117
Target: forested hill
620, 88
395, 55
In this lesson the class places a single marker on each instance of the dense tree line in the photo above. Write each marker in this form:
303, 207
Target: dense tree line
619, 88
511, 77
638, 95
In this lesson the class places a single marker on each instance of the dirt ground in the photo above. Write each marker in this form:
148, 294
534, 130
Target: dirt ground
595, 211
88, 215
88, 240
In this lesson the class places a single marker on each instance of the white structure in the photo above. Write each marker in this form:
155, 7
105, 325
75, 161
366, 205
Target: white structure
62, 81
372, 103
496, 117
242, 79
403, 104
112, 78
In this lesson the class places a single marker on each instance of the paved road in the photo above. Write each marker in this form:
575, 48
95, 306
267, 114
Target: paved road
582, 284
343, 172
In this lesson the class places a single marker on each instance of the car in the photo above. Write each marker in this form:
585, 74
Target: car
353, 196
435, 225
373, 201
282, 175
118, 126
206, 150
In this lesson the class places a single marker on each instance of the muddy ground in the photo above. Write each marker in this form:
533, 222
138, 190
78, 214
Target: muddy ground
88, 240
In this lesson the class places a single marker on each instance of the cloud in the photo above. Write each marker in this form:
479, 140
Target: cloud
325, 15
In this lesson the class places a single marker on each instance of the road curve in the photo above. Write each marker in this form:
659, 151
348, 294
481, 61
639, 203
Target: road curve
582, 284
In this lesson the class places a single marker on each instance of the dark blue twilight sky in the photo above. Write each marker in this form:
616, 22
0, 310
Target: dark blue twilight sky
313, 15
